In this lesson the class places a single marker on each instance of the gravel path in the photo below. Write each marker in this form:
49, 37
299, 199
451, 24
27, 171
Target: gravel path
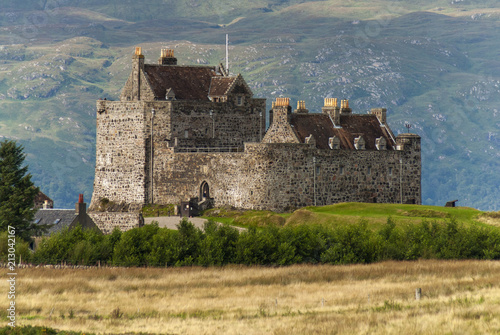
171, 222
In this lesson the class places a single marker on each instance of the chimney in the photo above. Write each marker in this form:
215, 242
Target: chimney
80, 206
137, 67
46, 204
301, 107
344, 107
167, 57
381, 114
281, 110
331, 108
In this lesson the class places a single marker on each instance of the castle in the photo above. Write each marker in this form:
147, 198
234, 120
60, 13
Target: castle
196, 133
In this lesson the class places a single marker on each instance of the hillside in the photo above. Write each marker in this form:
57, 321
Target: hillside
375, 215
432, 64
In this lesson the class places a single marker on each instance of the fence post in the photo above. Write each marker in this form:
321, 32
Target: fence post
418, 293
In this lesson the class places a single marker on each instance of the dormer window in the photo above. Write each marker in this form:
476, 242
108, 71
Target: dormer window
359, 143
334, 142
381, 143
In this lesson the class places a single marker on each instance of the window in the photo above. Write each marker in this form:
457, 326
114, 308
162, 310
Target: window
186, 134
390, 171
57, 221
239, 100
341, 170
369, 171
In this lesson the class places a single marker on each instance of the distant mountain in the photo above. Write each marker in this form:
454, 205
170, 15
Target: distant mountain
434, 64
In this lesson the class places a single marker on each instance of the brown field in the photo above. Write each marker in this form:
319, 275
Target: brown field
458, 297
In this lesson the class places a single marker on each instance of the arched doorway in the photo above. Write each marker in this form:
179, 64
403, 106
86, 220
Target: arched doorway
204, 191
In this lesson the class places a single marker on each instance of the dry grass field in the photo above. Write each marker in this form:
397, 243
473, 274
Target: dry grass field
458, 297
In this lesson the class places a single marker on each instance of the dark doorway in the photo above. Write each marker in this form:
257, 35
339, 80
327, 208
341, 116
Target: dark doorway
204, 191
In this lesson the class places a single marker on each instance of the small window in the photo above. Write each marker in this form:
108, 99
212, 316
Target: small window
239, 100
318, 170
341, 170
37, 221
57, 221
369, 171
390, 171
186, 134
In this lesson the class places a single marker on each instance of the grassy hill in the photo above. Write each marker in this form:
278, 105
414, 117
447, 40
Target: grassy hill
375, 215
432, 64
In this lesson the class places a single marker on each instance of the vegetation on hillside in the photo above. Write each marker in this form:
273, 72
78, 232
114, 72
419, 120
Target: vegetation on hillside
218, 245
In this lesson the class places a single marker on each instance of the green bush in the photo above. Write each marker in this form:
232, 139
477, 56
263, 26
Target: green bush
270, 245
218, 244
164, 249
134, 246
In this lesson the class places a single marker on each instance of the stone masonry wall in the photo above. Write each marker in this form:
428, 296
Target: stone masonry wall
107, 221
120, 155
279, 176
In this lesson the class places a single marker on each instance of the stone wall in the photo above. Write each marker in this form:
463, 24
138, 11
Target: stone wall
120, 155
107, 221
280, 176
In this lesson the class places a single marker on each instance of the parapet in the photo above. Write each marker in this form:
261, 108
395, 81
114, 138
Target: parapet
407, 141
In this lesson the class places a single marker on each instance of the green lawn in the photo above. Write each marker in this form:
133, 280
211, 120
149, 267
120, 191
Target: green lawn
345, 213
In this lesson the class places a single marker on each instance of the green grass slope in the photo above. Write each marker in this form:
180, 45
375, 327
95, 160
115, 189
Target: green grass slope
375, 215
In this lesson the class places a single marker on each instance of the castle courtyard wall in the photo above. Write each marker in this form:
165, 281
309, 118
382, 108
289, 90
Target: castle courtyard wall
282, 176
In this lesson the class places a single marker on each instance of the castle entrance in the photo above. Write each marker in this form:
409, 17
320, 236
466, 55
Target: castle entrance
204, 191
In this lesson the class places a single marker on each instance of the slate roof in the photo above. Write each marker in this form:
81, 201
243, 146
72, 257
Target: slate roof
351, 126
187, 82
58, 219
40, 199
220, 85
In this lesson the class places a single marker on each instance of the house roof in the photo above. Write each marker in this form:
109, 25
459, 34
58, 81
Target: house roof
57, 219
220, 85
187, 82
40, 199
351, 126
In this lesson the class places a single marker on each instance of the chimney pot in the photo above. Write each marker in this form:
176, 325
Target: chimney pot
80, 198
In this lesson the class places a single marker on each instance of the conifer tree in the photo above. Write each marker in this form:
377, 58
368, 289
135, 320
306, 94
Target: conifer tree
17, 191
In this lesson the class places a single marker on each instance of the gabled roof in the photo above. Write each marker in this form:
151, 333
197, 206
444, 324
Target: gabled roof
351, 126
188, 82
220, 86
41, 197
58, 219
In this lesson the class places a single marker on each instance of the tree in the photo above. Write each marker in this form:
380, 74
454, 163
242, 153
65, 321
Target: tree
17, 191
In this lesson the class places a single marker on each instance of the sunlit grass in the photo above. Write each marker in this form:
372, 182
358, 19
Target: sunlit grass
302, 299
346, 213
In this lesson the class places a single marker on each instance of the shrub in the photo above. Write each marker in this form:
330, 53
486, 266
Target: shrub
218, 244
134, 246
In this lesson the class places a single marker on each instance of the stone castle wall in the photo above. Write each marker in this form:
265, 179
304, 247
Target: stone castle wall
120, 156
279, 176
107, 221
123, 143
